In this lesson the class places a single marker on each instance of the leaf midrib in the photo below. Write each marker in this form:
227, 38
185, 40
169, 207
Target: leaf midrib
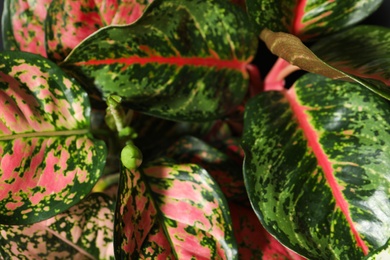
46, 134
324, 163
233, 64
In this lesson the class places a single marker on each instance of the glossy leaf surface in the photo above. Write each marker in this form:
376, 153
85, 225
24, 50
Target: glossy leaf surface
367, 71
69, 22
317, 165
172, 211
48, 158
309, 18
85, 231
183, 60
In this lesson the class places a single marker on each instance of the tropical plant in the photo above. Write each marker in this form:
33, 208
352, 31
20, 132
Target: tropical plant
143, 130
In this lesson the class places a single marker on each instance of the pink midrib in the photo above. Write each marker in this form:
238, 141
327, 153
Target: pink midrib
233, 64
299, 12
323, 160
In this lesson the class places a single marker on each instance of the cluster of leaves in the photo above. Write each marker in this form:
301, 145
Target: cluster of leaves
139, 129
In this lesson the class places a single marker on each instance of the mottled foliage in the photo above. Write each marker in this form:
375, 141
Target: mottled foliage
168, 211
48, 158
181, 60
317, 164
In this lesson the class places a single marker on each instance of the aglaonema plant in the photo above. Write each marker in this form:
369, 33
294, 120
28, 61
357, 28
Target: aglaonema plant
143, 130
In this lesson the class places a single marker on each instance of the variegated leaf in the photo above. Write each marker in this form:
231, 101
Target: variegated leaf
254, 242
48, 158
172, 211
368, 71
182, 60
23, 25
69, 22
225, 169
309, 18
85, 231
53, 28
317, 167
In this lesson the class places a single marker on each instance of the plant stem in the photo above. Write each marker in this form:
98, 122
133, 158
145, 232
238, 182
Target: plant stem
275, 78
106, 182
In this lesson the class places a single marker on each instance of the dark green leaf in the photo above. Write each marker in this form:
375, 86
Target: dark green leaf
363, 53
317, 167
182, 60
371, 75
310, 18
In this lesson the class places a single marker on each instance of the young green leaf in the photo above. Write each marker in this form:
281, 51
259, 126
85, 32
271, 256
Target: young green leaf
172, 211
182, 60
317, 167
346, 62
309, 18
69, 22
85, 231
48, 159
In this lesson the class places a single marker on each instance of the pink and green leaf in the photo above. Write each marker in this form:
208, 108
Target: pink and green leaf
53, 28
69, 22
23, 25
48, 159
316, 167
172, 211
172, 62
225, 168
309, 18
83, 231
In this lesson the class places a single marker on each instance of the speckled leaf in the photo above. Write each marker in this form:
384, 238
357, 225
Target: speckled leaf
382, 253
48, 158
85, 231
309, 18
225, 169
172, 211
69, 22
182, 60
370, 74
23, 25
317, 167
254, 242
